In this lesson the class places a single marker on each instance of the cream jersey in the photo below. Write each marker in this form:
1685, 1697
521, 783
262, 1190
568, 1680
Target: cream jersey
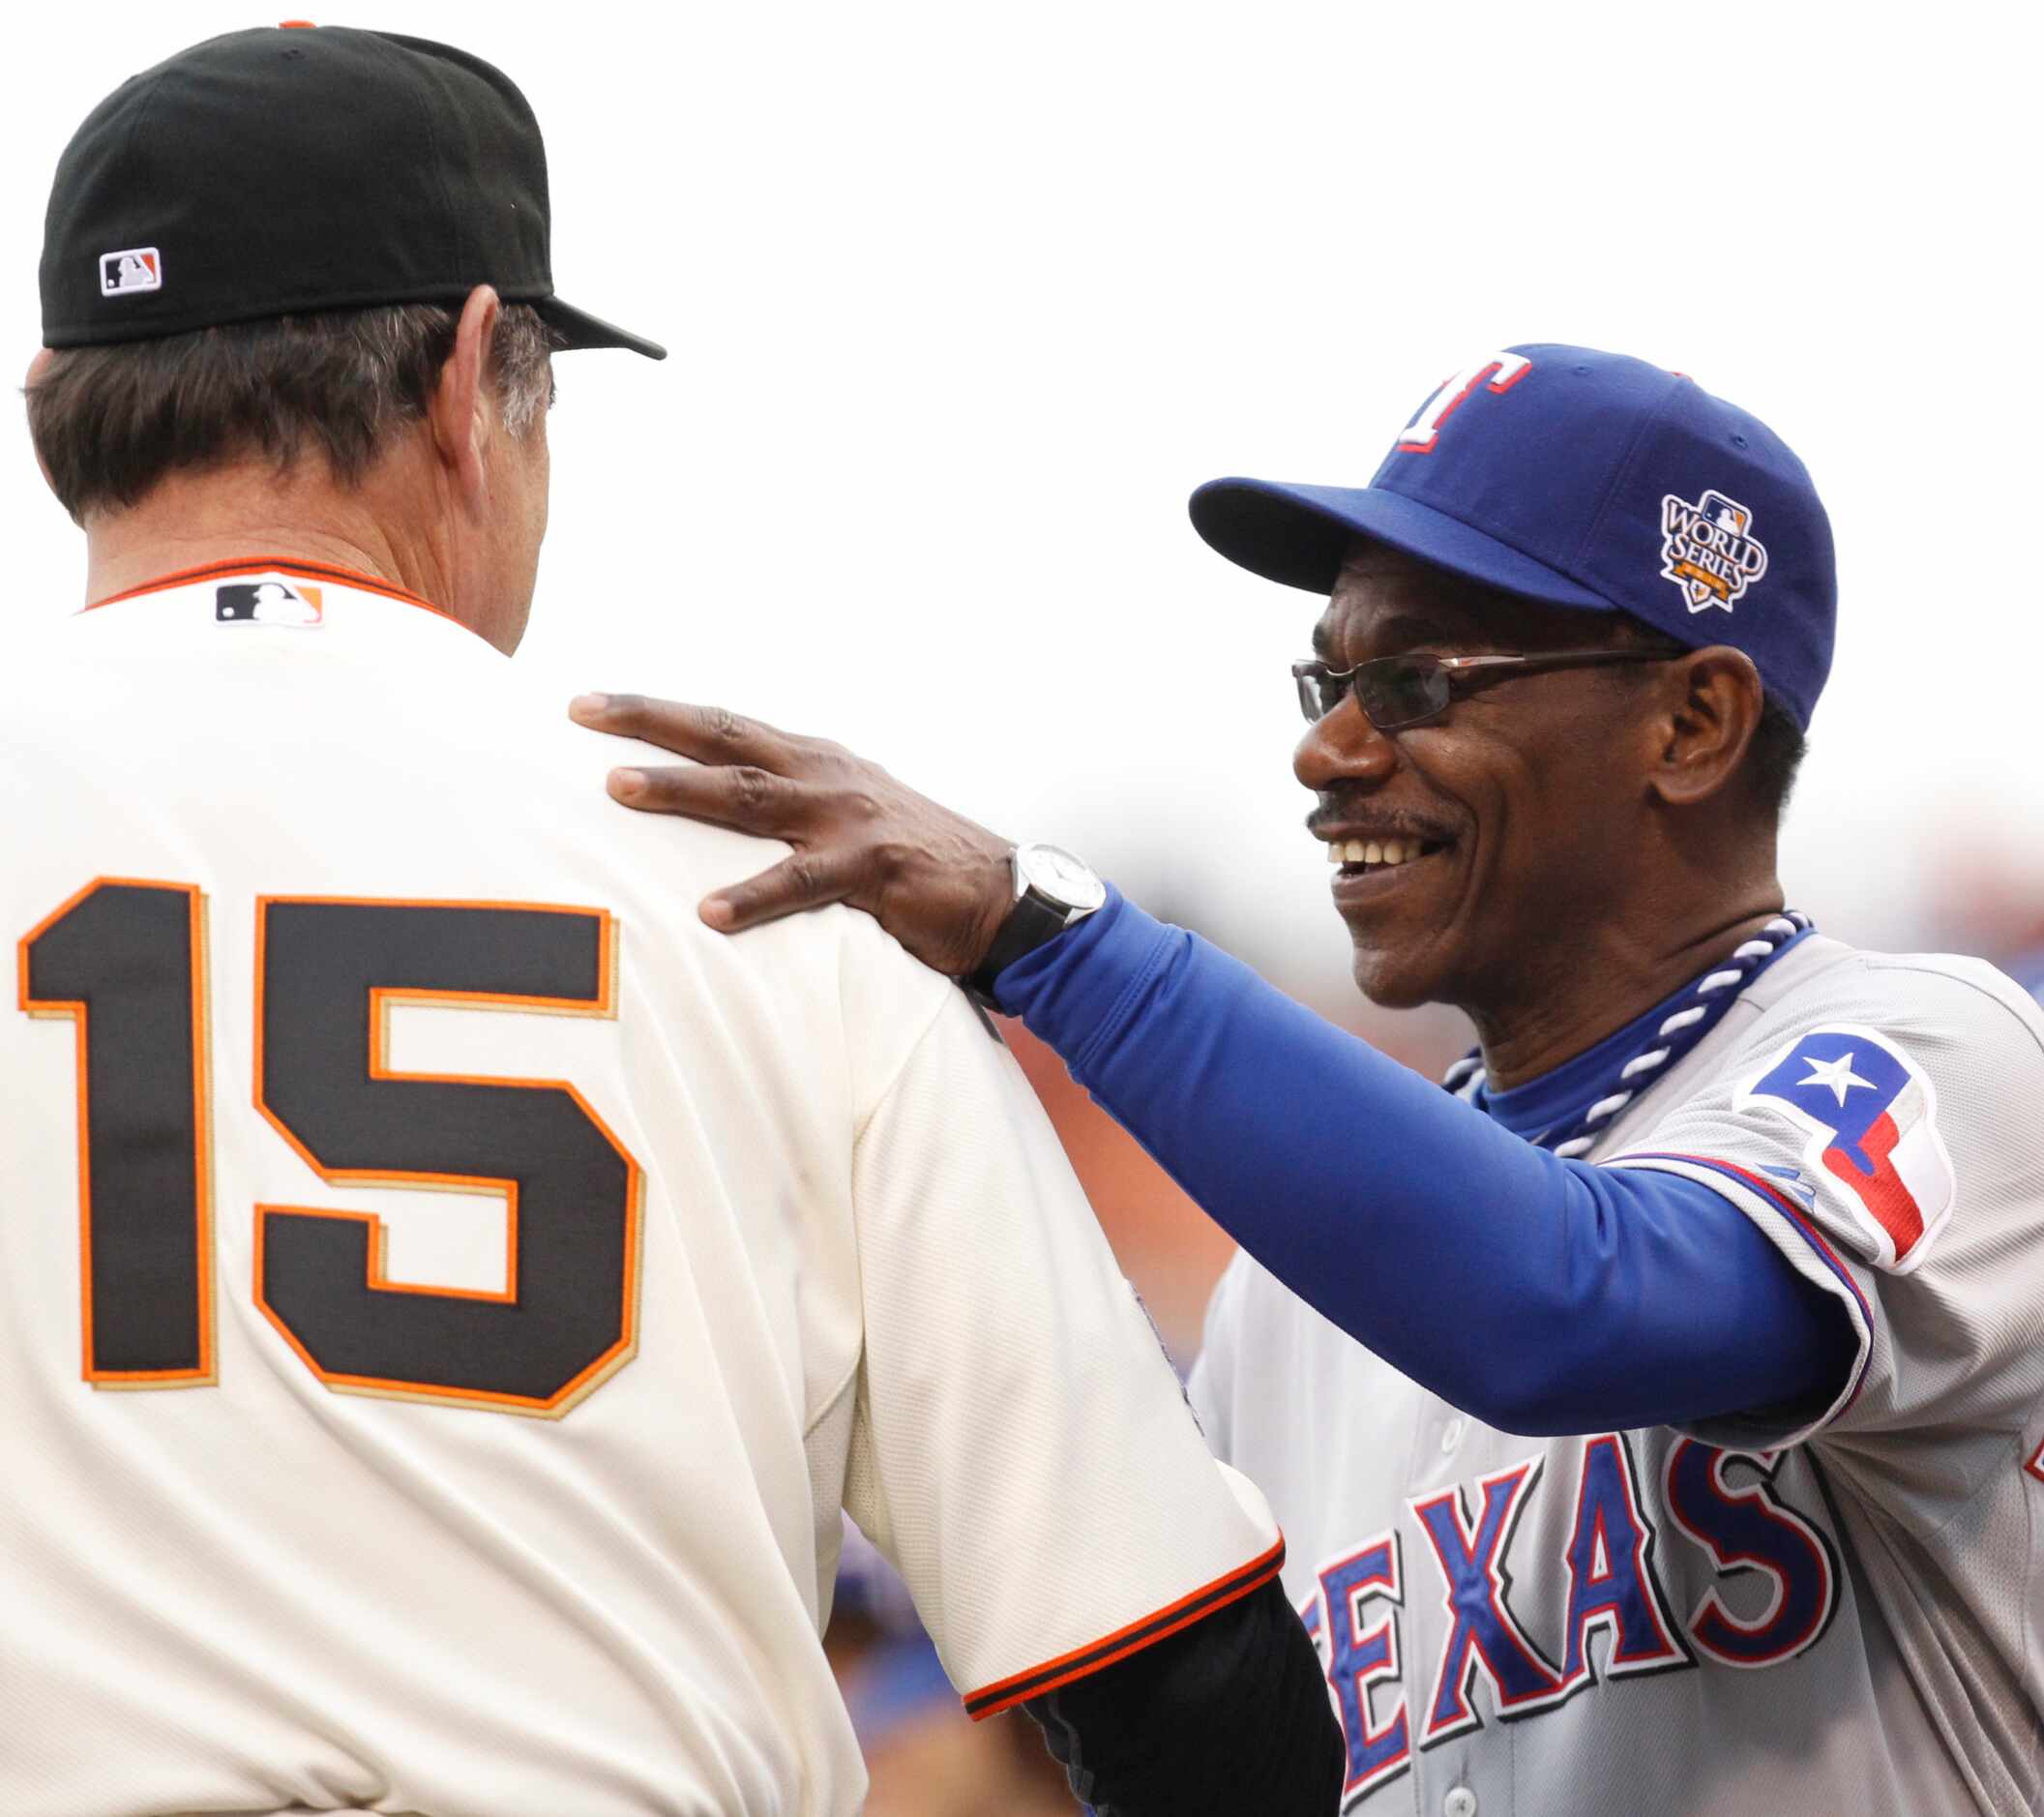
446, 1295
1807, 1612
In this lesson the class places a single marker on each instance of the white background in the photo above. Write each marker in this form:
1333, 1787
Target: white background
964, 299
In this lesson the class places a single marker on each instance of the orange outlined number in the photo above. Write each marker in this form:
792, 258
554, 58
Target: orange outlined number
126, 961
327, 973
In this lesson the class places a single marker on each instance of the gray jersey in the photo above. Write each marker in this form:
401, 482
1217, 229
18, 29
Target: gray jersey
1797, 1610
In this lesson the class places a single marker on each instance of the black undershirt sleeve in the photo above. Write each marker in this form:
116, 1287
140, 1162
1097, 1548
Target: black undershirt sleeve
1228, 1717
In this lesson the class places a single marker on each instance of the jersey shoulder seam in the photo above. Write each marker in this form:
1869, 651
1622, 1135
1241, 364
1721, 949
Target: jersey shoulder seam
1889, 962
1869, 963
900, 1066
836, 1394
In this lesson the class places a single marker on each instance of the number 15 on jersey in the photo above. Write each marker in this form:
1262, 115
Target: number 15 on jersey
124, 960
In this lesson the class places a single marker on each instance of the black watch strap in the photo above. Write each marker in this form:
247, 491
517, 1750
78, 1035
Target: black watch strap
1033, 921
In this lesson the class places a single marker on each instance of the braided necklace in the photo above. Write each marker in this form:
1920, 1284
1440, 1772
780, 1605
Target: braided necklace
1698, 1008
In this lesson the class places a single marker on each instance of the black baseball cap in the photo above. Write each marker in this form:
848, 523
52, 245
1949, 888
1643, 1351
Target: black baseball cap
294, 169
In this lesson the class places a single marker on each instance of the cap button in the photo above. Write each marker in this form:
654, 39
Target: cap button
296, 26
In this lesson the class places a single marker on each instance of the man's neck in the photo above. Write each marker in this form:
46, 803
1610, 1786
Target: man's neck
189, 522
1624, 981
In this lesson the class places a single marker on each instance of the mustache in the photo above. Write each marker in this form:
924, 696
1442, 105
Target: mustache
1389, 823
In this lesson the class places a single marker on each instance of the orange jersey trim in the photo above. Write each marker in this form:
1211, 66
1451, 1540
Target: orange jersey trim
299, 568
1083, 1661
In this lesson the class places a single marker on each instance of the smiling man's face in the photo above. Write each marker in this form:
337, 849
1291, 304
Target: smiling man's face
1503, 828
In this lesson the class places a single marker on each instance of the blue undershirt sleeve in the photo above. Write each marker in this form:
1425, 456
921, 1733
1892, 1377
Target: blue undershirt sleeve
1542, 1296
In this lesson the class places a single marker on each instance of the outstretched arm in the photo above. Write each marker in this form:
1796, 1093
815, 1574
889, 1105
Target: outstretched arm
1540, 1295
936, 882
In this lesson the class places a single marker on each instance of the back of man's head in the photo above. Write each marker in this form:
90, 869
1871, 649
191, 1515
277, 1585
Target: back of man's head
285, 264
109, 422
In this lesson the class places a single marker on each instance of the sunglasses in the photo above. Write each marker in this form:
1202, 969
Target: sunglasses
1399, 691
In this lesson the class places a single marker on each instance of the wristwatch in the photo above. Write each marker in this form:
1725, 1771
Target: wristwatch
1052, 889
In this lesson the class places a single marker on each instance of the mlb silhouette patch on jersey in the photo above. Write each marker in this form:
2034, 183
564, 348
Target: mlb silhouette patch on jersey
1708, 550
1871, 1116
268, 603
123, 274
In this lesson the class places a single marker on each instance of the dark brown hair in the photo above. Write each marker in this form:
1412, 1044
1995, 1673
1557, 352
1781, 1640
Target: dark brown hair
109, 422
1775, 755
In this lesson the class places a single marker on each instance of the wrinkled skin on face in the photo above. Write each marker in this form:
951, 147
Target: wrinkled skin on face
487, 489
1527, 795
507, 565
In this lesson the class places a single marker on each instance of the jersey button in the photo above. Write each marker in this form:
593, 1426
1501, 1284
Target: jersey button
1460, 1803
1450, 1437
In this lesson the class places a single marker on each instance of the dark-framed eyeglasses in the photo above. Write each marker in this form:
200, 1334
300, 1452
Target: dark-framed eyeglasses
1400, 691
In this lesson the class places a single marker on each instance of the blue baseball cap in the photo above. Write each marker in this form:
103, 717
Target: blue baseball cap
1576, 478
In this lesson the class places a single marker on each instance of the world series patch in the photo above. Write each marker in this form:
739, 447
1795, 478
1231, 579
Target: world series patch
1708, 550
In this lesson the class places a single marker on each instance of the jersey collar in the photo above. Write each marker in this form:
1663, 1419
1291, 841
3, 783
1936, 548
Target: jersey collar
1562, 1096
297, 567
1556, 1103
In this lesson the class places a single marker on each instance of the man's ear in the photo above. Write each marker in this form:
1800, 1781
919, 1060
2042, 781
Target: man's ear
38, 371
461, 408
1710, 710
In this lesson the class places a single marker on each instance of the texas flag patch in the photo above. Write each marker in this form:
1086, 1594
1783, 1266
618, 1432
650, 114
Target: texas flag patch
1870, 1113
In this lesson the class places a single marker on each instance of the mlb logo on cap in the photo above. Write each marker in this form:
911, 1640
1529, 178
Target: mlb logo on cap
122, 274
298, 171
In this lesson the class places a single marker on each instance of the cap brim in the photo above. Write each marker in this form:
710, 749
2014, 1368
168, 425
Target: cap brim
1299, 535
578, 329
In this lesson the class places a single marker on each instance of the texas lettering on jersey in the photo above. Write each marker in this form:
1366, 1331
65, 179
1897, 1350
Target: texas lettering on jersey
1827, 1604
1613, 1575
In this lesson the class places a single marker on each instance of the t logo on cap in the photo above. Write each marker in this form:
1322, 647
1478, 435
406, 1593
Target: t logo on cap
1424, 429
1606, 484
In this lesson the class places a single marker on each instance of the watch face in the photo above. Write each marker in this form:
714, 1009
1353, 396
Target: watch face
1059, 875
